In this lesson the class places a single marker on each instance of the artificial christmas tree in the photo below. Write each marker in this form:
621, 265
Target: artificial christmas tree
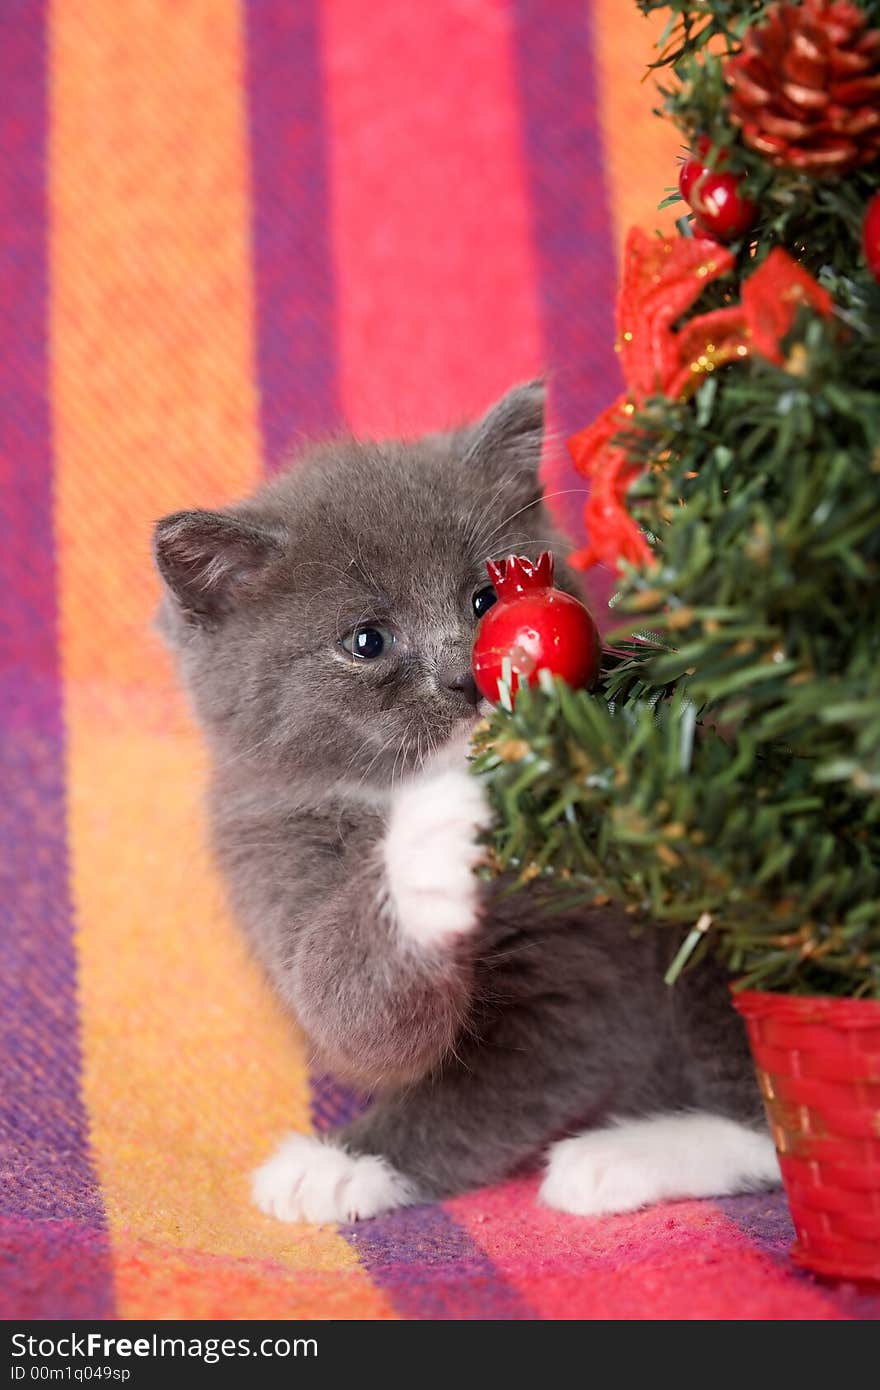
724, 776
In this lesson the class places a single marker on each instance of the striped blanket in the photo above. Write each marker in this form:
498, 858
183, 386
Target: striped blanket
224, 226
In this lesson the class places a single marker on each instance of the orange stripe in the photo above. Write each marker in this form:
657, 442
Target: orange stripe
640, 149
189, 1068
155, 399
192, 1285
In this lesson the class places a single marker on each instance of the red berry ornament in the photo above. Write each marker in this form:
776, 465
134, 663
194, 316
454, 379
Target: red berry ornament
721, 210
693, 167
688, 174
535, 627
871, 236
713, 194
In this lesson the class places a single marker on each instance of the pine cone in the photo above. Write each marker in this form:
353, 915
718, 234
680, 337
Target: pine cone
806, 87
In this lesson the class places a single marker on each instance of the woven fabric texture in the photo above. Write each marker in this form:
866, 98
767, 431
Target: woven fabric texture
225, 226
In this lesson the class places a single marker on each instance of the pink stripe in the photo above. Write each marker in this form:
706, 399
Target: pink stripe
681, 1260
435, 271
437, 315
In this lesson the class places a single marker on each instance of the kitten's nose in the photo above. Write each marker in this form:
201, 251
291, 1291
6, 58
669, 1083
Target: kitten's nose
462, 684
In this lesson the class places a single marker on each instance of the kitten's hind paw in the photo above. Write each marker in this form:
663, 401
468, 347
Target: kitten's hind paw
310, 1179
635, 1163
430, 853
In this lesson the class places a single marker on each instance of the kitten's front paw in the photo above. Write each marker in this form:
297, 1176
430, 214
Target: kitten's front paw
309, 1179
431, 850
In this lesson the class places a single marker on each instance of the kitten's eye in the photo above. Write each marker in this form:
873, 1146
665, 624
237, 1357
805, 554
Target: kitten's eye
368, 642
483, 600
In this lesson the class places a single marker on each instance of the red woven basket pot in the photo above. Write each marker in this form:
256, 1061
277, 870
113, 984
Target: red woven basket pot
818, 1065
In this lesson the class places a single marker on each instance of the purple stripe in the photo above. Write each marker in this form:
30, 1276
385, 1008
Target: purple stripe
430, 1268
572, 228
290, 225
332, 1105
764, 1218
43, 1131
52, 1269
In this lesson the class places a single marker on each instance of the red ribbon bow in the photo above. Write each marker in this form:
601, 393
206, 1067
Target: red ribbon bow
662, 278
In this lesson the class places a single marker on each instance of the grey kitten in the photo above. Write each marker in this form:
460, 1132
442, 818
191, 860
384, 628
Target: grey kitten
323, 628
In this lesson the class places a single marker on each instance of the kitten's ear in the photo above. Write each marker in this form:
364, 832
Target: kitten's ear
210, 560
506, 444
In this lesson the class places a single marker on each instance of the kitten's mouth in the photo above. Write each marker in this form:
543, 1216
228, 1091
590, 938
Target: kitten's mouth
472, 717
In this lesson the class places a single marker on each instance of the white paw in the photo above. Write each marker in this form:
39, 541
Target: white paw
309, 1179
430, 853
592, 1176
638, 1162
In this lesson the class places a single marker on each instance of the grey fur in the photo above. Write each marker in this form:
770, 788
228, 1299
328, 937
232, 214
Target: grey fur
541, 1024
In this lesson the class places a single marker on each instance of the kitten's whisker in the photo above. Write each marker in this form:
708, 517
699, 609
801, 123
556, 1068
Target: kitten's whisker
362, 570
320, 564
472, 522
489, 508
486, 511
319, 593
371, 764
546, 497
243, 753
405, 745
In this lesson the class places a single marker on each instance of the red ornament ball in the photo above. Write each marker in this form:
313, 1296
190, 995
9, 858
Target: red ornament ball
871, 236
536, 627
720, 209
